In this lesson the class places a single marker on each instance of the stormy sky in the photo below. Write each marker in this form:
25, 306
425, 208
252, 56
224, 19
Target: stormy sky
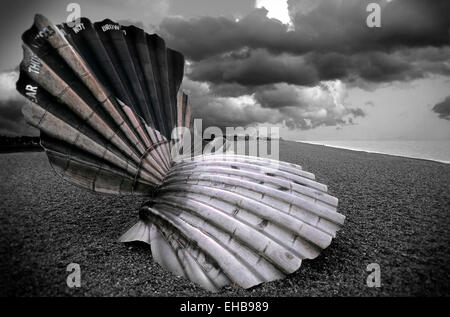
311, 67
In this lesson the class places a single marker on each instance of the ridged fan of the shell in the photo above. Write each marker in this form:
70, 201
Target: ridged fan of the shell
105, 98
220, 219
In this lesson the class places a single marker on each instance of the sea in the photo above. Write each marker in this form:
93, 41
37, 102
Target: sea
438, 151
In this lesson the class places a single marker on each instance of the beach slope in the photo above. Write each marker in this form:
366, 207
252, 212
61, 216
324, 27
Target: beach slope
397, 215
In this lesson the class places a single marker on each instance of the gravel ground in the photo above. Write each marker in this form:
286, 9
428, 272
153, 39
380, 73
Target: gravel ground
397, 213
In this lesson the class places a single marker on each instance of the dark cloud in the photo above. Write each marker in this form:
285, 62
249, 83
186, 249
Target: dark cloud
280, 96
341, 25
357, 112
291, 106
443, 108
255, 68
330, 41
231, 89
320, 26
226, 111
200, 38
309, 107
379, 67
260, 67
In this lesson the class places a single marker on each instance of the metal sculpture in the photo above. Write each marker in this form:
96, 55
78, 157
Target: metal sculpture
105, 99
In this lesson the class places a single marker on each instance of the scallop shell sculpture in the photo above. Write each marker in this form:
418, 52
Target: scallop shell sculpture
105, 99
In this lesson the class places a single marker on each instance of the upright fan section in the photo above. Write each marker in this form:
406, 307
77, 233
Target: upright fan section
105, 98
